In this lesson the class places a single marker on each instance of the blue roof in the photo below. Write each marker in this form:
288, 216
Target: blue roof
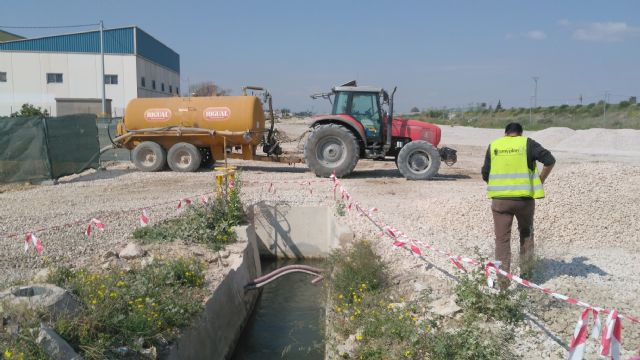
116, 41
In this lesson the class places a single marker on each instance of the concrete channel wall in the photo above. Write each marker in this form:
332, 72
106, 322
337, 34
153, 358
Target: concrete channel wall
299, 232
274, 231
215, 333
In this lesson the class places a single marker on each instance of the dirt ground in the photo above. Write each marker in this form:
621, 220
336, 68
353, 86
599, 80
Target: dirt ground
587, 228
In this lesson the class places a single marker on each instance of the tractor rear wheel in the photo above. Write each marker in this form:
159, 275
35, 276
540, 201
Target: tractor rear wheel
184, 157
331, 148
418, 160
149, 156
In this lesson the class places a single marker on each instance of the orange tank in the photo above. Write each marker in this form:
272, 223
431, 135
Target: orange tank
242, 115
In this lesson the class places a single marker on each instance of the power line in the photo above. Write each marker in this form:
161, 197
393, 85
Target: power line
46, 27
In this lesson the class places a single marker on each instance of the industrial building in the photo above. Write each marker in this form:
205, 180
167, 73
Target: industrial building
62, 73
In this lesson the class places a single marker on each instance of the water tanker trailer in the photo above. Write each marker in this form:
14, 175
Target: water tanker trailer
185, 133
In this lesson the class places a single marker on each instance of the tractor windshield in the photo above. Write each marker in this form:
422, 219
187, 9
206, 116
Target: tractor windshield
365, 109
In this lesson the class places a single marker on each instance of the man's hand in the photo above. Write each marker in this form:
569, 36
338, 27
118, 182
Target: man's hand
546, 170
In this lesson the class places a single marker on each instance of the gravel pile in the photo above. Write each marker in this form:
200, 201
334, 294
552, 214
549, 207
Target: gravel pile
586, 229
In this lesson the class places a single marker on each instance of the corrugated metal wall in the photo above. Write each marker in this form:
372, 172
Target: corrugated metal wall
116, 41
156, 51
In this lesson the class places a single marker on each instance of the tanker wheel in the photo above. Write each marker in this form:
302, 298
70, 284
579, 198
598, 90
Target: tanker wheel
149, 156
184, 157
418, 160
331, 148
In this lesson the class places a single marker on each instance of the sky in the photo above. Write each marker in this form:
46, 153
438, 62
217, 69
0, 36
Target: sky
438, 53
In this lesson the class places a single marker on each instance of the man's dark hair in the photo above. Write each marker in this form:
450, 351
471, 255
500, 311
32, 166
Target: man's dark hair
513, 128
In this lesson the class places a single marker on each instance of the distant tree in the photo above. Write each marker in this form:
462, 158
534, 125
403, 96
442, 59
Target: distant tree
285, 112
499, 106
208, 88
633, 100
483, 105
414, 109
28, 110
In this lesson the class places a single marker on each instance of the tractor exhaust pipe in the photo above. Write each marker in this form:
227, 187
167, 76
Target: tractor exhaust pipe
387, 145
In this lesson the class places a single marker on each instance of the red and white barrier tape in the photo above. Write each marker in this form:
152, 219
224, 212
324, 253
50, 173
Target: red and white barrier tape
611, 334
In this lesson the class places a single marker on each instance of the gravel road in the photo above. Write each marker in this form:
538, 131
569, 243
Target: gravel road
587, 229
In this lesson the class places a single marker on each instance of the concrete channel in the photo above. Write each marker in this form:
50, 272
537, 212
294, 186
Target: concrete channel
274, 232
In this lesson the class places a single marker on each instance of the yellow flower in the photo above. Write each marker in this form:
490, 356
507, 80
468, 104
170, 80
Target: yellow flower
351, 317
93, 302
407, 353
113, 294
414, 318
340, 296
358, 337
120, 283
7, 354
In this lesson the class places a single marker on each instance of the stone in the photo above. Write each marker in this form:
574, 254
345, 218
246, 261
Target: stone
347, 348
54, 345
225, 254
148, 261
53, 299
445, 306
131, 251
109, 254
41, 276
150, 353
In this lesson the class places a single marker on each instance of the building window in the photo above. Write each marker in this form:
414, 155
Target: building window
53, 78
170, 89
3, 76
162, 87
143, 82
111, 79
153, 84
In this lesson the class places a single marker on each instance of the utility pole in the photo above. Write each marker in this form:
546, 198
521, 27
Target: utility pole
604, 112
535, 91
530, 101
104, 100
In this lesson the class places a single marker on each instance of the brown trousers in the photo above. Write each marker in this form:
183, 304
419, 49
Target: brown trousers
503, 213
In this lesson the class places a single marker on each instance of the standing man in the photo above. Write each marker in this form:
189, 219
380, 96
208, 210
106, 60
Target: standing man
511, 174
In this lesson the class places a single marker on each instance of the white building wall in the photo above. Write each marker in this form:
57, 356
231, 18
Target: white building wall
152, 71
27, 79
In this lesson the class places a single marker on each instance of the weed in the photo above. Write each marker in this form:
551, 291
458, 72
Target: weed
210, 224
473, 298
359, 265
341, 208
385, 329
120, 308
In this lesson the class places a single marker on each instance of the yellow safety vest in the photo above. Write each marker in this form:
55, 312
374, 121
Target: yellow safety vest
510, 175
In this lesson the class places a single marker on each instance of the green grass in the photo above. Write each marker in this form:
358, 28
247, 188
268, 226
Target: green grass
210, 224
390, 327
130, 309
619, 116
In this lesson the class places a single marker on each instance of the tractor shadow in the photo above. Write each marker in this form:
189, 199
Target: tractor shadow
547, 269
394, 173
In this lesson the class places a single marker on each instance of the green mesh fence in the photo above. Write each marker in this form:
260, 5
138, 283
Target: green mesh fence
33, 149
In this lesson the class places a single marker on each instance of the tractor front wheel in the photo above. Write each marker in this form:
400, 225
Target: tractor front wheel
331, 148
418, 160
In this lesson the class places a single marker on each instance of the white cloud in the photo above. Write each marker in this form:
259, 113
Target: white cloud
564, 22
509, 36
605, 31
536, 35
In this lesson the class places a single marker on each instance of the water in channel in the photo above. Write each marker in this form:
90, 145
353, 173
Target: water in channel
288, 320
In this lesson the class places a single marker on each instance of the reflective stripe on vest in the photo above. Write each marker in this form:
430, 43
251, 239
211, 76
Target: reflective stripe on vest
510, 175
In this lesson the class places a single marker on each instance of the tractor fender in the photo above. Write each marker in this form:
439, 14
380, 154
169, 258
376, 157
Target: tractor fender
345, 120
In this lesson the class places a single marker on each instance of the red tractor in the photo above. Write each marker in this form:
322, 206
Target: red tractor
359, 128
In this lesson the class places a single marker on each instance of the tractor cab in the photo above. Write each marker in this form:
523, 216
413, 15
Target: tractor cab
363, 104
